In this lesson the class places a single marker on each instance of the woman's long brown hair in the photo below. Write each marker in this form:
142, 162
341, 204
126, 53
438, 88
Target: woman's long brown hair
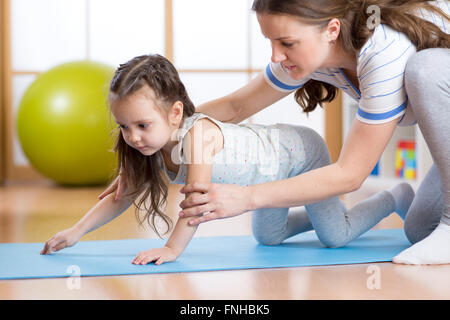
398, 14
142, 174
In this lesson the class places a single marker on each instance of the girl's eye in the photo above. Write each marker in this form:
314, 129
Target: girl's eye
142, 126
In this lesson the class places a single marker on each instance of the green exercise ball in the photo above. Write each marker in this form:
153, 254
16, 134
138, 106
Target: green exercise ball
64, 125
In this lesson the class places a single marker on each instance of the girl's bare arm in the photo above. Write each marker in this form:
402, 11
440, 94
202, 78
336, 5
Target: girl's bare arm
104, 211
205, 139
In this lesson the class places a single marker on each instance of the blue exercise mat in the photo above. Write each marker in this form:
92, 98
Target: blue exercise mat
113, 257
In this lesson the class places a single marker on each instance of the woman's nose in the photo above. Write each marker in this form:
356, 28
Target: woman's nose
277, 54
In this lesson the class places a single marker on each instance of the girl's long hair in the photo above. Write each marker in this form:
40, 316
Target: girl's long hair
355, 32
142, 174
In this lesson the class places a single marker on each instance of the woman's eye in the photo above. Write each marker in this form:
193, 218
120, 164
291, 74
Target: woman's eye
143, 125
121, 126
286, 44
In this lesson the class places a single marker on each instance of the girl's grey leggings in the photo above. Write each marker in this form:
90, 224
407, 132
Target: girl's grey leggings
427, 83
332, 222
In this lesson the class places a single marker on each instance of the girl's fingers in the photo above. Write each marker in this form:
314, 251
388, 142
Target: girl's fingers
159, 261
59, 246
146, 260
139, 258
136, 259
142, 259
51, 245
45, 249
55, 244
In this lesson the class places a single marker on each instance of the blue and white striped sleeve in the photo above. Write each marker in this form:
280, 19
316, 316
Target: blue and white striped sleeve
278, 78
381, 79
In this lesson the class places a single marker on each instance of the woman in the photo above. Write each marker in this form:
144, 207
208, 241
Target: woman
391, 56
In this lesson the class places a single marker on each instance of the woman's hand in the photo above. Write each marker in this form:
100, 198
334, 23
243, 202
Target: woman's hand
61, 240
117, 185
216, 201
160, 255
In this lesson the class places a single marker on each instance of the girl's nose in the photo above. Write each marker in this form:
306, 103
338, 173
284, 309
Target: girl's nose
134, 137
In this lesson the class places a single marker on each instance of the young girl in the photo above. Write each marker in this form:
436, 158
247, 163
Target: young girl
162, 138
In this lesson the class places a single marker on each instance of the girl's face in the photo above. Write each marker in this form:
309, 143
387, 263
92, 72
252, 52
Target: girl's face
301, 48
143, 125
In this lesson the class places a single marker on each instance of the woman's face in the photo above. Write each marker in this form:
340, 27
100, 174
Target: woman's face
301, 48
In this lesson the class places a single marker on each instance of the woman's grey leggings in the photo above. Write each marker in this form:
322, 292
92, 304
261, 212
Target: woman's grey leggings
427, 82
332, 222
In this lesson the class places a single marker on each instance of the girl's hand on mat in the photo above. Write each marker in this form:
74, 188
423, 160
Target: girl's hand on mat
214, 201
117, 185
159, 255
61, 240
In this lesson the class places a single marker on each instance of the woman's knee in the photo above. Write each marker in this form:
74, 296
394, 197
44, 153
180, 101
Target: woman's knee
415, 228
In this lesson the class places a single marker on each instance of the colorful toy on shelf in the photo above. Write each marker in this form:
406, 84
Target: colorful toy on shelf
405, 160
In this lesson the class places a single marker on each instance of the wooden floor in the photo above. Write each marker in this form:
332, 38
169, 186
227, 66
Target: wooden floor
34, 212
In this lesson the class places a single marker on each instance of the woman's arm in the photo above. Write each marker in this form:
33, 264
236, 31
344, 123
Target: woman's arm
244, 102
362, 149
